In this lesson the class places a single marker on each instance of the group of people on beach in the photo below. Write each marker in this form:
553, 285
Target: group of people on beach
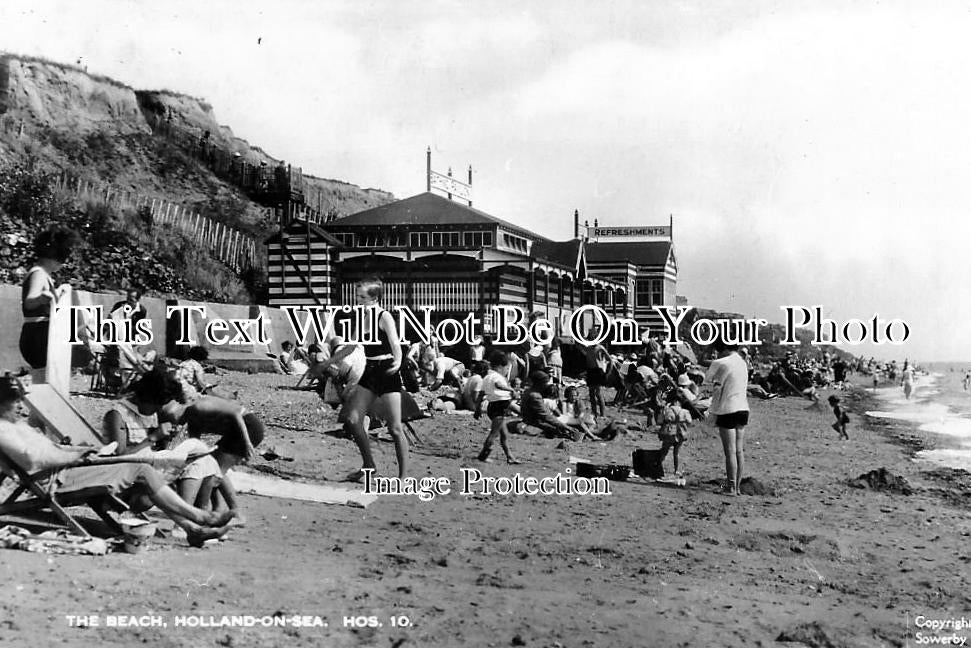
522, 390
162, 423
516, 389
494, 386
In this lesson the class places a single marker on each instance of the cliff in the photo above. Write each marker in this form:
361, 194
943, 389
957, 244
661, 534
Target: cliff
135, 140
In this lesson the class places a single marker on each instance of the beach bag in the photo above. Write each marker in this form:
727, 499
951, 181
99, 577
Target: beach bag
647, 463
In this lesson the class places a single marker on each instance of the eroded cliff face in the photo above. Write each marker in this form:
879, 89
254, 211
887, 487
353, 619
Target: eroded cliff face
60, 97
112, 133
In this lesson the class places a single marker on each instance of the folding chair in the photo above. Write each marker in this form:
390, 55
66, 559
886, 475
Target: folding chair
61, 421
44, 496
409, 412
97, 379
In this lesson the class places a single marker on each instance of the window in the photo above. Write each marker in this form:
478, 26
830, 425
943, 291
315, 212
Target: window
657, 292
446, 239
397, 239
346, 239
649, 292
477, 239
642, 296
419, 239
514, 242
371, 239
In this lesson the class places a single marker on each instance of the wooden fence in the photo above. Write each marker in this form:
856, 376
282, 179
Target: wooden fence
227, 244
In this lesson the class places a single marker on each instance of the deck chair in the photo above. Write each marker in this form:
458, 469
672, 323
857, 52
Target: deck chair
61, 421
409, 412
112, 377
42, 496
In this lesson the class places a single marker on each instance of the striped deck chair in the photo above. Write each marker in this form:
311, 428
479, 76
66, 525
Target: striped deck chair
36, 492
61, 421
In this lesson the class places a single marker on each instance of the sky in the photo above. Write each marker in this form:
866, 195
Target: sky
810, 153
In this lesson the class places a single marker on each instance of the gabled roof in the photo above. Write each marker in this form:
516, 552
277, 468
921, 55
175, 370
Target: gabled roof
426, 209
299, 227
563, 253
645, 253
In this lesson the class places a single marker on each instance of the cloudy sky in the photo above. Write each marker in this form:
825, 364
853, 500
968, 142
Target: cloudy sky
810, 152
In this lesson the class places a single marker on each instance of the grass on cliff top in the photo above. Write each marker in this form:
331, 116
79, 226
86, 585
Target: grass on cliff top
121, 247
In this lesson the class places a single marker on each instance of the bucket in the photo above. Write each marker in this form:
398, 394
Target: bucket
137, 534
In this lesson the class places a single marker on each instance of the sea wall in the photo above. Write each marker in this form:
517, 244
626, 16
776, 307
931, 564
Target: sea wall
166, 331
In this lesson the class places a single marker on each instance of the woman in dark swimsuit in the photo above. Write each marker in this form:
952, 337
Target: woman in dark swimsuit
53, 248
381, 379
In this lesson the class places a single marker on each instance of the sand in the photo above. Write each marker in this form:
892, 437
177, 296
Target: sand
648, 565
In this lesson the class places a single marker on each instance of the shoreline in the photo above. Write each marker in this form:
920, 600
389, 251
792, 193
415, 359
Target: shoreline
954, 483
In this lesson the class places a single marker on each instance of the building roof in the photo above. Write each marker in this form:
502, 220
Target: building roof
562, 253
299, 226
426, 209
644, 253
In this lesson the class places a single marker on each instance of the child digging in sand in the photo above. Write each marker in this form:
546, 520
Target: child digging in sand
842, 418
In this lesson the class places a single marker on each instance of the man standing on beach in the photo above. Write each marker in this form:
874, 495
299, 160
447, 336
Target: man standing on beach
598, 362
728, 376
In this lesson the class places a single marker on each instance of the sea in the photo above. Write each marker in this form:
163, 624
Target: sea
939, 407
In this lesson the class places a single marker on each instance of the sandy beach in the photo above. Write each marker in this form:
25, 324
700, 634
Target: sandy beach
647, 565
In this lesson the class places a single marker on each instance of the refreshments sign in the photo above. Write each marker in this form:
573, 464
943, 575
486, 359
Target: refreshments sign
624, 231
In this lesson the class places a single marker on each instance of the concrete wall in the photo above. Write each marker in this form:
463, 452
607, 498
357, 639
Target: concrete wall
164, 332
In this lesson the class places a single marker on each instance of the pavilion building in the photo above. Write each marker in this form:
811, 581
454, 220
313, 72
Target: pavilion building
431, 251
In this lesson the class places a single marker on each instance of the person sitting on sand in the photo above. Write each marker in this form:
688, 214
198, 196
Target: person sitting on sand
473, 385
687, 393
239, 433
443, 371
465, 397
133, 424
292, 360
842, 418
32, 451
574, 413
535, 412
191, 374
